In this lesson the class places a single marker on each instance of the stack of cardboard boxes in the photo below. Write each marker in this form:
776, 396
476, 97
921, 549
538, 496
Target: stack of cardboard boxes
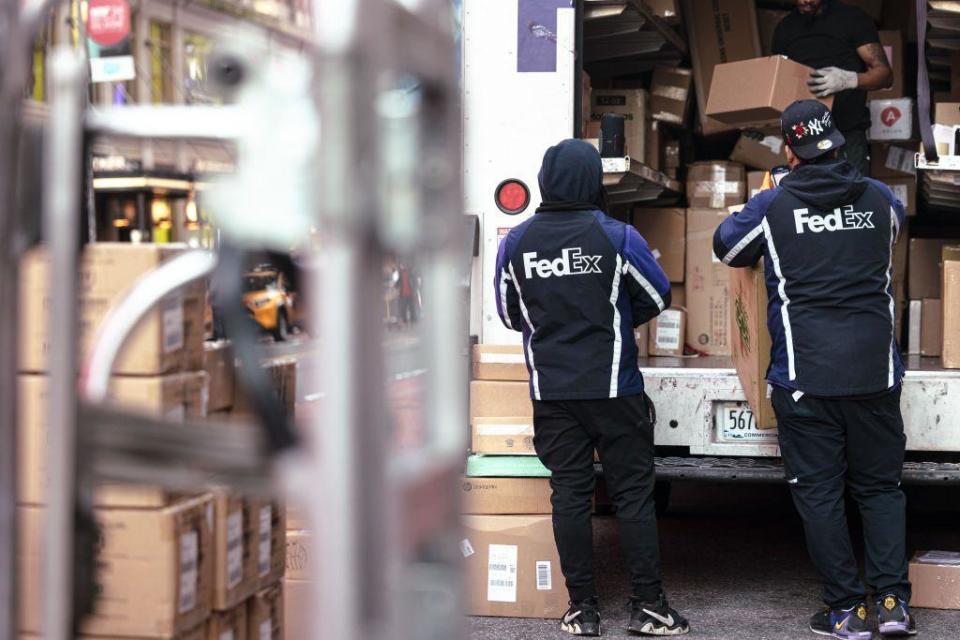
169, 565
508, 551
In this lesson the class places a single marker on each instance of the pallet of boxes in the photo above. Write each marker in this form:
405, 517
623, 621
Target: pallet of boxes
511, 562
165, 565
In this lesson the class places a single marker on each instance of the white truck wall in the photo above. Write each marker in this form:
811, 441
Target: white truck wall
510, 117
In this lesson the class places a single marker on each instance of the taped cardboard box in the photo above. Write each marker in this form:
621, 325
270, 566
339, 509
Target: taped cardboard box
228, 625
174, 397
155, 570
503, 436
667, 332
265, 614
923, 267
505, 496
892, 43
499, 362
750, 340
758, 150
707, 286
665, 232
494, 399
716, 184
891, 119
512, 567
297, 555
756, 92
235, 549
670, 94
220, 364
951, 307
270, 534
935, 580
632, 103
892, 160
165, 341
718, 32
296, 610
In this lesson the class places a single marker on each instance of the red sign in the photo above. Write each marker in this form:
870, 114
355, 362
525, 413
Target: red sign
108, 21
890, 115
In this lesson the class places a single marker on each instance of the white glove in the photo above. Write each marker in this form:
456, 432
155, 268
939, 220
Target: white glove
830, 80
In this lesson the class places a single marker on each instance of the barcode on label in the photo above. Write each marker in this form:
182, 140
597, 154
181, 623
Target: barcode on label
266, 517
172, 319
544, 576
900, 159
668, 330
234, 549
189, 550
266, 629
502, 573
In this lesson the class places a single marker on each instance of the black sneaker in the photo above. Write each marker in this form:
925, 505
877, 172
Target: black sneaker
847, 624
894, 618
582, 618
656, 618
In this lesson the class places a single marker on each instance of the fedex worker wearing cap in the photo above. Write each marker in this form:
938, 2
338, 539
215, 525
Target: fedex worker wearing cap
826, 237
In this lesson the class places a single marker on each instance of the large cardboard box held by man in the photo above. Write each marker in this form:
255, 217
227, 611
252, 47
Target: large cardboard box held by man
750, 340
154, 570
512, 567
707, 286
170, 337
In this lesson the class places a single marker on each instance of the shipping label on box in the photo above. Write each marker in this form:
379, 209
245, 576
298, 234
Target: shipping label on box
891, 119
667, 333
268, 543
892, 161
235, 543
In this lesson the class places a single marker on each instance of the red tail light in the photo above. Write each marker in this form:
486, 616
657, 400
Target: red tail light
512, 196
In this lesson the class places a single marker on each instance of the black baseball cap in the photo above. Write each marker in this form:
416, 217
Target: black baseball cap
808, 129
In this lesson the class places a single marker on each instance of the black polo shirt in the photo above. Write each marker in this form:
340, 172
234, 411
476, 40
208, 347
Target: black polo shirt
831, 39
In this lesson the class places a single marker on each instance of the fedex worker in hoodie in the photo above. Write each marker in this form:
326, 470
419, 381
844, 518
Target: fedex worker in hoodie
826, 237
576, 283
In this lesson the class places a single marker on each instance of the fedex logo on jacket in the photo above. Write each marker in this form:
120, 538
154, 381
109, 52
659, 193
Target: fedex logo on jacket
571, 262
840, 220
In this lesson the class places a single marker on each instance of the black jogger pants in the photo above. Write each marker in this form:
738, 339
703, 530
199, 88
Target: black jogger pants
566, 432
829, 445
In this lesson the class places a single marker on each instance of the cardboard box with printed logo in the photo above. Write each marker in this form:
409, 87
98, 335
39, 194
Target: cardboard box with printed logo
665, 233
500, 496
759, 150
265, 614
297, 555
499, 362
707, 286
502, 436
512, 567
154, 570
667, 332
670, 94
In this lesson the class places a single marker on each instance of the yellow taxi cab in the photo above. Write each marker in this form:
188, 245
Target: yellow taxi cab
269, 302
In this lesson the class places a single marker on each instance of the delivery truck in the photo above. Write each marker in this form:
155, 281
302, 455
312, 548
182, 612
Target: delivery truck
524, 90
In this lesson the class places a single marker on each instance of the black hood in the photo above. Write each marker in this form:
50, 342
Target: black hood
571, 174
825, 185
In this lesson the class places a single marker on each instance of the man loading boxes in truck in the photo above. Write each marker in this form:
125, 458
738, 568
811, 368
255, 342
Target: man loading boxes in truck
826, 235
576, 283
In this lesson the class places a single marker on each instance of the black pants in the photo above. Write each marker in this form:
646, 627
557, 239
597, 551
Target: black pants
857, 150
830, 444
565, 435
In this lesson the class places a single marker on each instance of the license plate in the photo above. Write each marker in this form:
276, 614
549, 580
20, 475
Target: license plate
734, 422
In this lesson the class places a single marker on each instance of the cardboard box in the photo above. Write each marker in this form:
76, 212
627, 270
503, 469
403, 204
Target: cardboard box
296, 607
914, 327
667, 332
220, 364
165, 341
235, 549
891, 119
630, 102
495, 399
653, 157
767, 21
512, 567
759, 151
503, 436
282, 373
678, 295
665, 233
718, 32
755, 92
228, 625
155, 570
707, 286
505, 496
175, 397
923, 270
297, 555
950, 354
642, 335
716, 184
270, 540
947, 114
935, 576
905, 189
751, 341
265, 614
670, 94
754, 182
499, 362
892, 43
931, 328
892, 161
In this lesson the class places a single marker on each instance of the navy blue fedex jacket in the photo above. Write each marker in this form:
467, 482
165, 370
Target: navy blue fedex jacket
576, 283
826, 235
